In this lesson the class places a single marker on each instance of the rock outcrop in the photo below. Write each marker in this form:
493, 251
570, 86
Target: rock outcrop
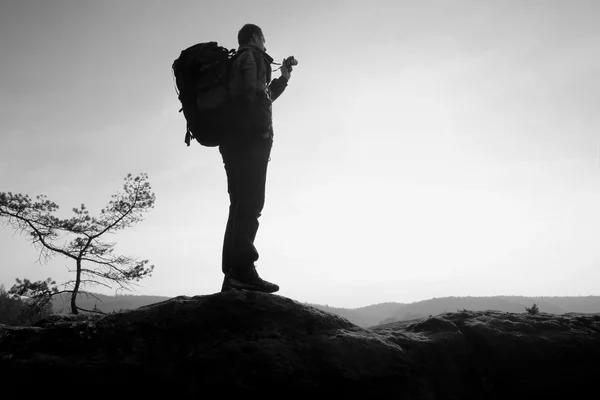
244, 343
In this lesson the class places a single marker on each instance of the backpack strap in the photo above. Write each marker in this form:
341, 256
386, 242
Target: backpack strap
188, 136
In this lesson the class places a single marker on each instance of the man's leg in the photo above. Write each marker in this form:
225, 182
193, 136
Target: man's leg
246, 169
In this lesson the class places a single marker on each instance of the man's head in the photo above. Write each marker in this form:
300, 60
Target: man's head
252, 34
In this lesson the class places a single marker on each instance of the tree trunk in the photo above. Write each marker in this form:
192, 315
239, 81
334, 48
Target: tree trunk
76, 287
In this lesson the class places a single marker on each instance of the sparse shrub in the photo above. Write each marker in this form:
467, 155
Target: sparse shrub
17, 311
533, 310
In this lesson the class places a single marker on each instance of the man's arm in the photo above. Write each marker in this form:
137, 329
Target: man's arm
278, 85
248, 70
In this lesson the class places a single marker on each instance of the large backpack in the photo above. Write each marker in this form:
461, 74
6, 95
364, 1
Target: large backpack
202, 75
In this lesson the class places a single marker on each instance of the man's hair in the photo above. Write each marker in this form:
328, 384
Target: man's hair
245, 34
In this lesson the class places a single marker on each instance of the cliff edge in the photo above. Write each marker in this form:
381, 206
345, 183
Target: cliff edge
245, 343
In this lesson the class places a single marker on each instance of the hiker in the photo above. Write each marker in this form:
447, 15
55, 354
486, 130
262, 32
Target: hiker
245, 151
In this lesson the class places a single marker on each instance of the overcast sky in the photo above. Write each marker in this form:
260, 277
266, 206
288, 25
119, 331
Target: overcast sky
422, 148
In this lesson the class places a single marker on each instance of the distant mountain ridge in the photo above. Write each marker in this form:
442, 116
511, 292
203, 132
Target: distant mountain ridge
364, 316
107, 304
378, 313
511, 304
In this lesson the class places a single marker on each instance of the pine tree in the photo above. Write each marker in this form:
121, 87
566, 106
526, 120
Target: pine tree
80, 239
533, 309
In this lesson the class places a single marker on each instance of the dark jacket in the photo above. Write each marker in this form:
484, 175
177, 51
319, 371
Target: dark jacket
252, 93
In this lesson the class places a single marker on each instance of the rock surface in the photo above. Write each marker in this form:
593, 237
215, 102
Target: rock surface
239, 343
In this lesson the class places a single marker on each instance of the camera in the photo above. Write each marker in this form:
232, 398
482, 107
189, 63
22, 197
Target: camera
290, 62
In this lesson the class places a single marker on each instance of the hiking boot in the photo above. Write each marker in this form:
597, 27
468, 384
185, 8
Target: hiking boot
247, 280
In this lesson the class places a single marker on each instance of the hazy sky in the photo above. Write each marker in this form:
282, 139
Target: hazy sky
422, 148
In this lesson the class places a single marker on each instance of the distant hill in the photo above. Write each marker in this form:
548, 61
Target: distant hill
512, 304
105, 303
364, 316
382, 313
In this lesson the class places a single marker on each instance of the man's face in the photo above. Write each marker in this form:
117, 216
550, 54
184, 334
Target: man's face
259, 41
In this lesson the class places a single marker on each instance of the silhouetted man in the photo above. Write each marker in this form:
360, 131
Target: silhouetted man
246, 152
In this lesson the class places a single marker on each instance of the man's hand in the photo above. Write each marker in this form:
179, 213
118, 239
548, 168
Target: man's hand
287, 65
285, 71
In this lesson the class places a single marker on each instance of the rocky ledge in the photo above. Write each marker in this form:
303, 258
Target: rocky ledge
244, 343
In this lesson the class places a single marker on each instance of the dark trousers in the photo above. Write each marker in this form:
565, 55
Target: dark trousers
246, 167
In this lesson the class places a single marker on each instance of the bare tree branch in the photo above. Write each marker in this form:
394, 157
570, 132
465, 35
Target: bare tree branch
92, 311
94, 282
40, 237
